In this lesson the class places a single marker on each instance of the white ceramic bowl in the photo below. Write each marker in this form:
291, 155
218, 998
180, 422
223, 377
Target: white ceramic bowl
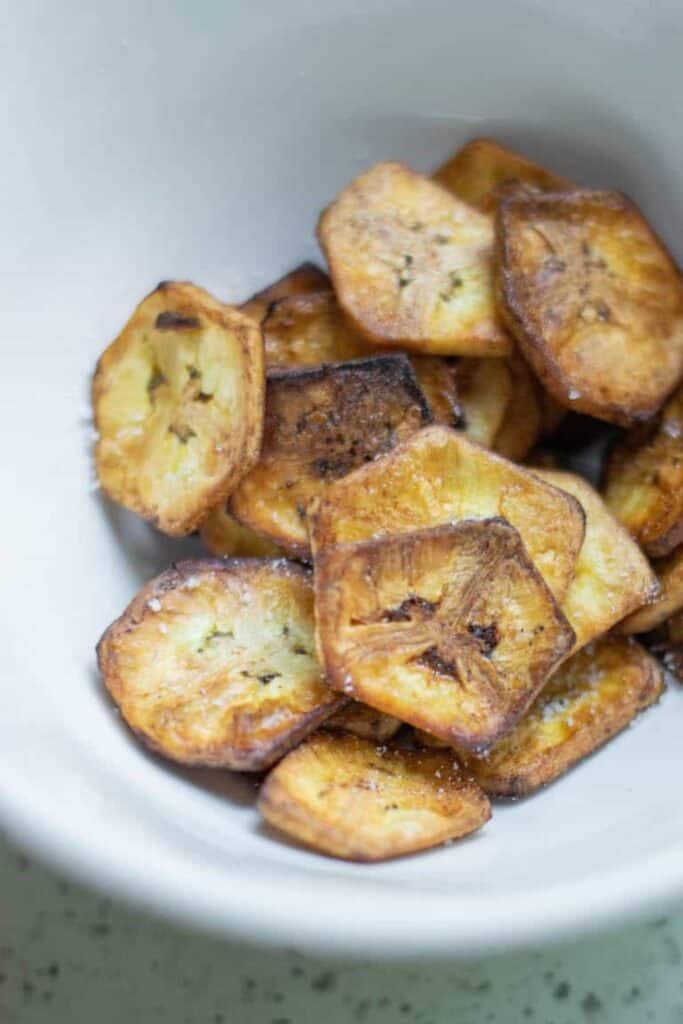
168, 139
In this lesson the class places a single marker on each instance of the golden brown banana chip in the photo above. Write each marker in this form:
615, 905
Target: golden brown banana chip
303, 280
612, 575
178, 402
213, 663
437, 378
439, 477
523, 419
321, 423
452, 630
594, 300
478, 172
225, 537
347, 797
307, 330
484, 392
644, 480
365, 722
412, 265
669, 573
588, 701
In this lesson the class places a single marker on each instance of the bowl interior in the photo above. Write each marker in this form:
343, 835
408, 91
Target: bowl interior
200, 142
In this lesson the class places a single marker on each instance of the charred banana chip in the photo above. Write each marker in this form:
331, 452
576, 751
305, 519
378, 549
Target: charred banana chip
225, 537
307, 330
452, 630
178, 403
303, 280
481, 171
437, 378
438, 477
349, 798
669, 573
363, 721
484, 392
412, 265
320, 424
612, 575
588, 701
523, 419
594, 300
644, 481
213, 663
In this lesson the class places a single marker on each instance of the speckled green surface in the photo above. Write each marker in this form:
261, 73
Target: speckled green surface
69, 957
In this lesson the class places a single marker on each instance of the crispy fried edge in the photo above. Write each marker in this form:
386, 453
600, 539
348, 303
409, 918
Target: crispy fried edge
227, 756
669, 601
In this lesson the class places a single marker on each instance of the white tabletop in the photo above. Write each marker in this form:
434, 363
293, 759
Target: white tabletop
67, 956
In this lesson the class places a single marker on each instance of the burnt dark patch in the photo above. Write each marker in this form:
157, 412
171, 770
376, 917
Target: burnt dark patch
203, 396
434, 660
487, 636
155, 381
414, 607
171, 321
268, 677
332, 469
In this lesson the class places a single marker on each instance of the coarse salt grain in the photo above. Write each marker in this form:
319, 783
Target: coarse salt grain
154, 604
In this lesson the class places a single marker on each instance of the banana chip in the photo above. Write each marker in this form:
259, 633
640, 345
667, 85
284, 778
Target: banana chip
349, 798
481, 171
612, 575
213, 663
594, 300
413, 266
588, 701
437, 378
484, 392
669, 572
303, 280
307, 330
363, 721
320, 424
178, 403
644, 480
523, 420
452, 630
439, 477
225, 537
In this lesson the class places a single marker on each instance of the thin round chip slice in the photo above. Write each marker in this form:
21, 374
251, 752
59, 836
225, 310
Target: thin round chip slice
452, 630
612, 576
226, 538
437, 378
484, 392
178, 402
437, 477
322, 422
644, 480
594, 300
588, 701
213, 663
349, 798
412, 265
307, 330
303, 280
480, 171
523, 420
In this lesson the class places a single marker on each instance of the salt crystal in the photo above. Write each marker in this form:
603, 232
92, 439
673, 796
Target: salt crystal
163, 628
154, 604
573, 395
438, 773
192, 582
